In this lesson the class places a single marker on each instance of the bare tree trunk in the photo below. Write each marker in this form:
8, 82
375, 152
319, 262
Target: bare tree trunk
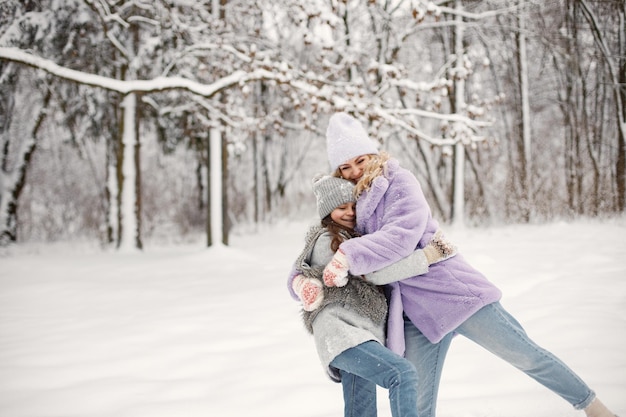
220, 12
480, 184
262, 201
137, 170
112, 188
458, 200
12, 189
216, 187
256, 192
130, 233
267, 186
526, 155
217, 171
570, 108
225, 219
209, 192
620, 94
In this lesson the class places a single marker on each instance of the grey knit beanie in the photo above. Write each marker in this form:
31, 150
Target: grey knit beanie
331, 192
346, 139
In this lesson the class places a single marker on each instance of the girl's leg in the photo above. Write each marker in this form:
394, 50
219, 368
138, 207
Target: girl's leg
428, 359
359, 396
493, 328
373, 362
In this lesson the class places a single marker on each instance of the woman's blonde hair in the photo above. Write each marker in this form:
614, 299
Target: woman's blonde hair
376, 167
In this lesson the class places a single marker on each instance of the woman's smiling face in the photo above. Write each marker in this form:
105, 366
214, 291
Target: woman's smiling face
353, 168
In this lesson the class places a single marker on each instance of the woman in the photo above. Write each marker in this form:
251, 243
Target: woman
394, 219
348, 322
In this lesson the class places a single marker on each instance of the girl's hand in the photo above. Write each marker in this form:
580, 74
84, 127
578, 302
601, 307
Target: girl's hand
336, 272
309, 290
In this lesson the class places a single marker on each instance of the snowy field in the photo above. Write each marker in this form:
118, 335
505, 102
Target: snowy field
185, 331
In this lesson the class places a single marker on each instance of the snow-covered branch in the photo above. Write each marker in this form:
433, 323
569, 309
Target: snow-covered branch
477, 16
129, 86
311, 85
440, 116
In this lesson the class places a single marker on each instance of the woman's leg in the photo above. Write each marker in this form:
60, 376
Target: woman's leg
373, 362
493, 328
428, 359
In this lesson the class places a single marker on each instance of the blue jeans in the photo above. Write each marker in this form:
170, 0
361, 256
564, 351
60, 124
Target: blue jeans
493, 328
369, 364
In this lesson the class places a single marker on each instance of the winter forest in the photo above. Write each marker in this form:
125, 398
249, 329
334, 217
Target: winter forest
132, 121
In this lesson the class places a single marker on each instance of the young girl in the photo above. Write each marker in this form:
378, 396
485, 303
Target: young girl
348, 322
393, 219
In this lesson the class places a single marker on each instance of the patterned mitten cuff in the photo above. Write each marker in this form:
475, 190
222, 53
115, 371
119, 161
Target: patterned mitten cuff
336, 272
439, 248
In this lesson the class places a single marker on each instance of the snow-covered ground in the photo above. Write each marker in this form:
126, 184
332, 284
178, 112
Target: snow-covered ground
189, 331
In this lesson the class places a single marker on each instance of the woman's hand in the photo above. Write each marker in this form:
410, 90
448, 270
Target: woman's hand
439, 248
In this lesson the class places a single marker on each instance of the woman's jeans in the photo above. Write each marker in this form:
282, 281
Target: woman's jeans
369, 364
493, 328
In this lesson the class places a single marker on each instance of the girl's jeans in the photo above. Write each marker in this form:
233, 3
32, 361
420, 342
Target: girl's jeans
493, 328
369, 364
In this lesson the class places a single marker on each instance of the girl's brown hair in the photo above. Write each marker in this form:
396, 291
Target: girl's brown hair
338, 233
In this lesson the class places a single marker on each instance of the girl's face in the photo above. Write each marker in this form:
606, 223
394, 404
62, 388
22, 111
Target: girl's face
345, 215
353, 168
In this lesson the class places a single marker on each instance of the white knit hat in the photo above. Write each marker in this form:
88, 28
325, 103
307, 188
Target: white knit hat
346, 139
331, 192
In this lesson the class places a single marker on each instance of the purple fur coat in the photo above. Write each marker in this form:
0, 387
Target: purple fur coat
395, 219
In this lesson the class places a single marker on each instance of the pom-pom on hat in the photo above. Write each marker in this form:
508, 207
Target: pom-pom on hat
331, 192
346, 139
